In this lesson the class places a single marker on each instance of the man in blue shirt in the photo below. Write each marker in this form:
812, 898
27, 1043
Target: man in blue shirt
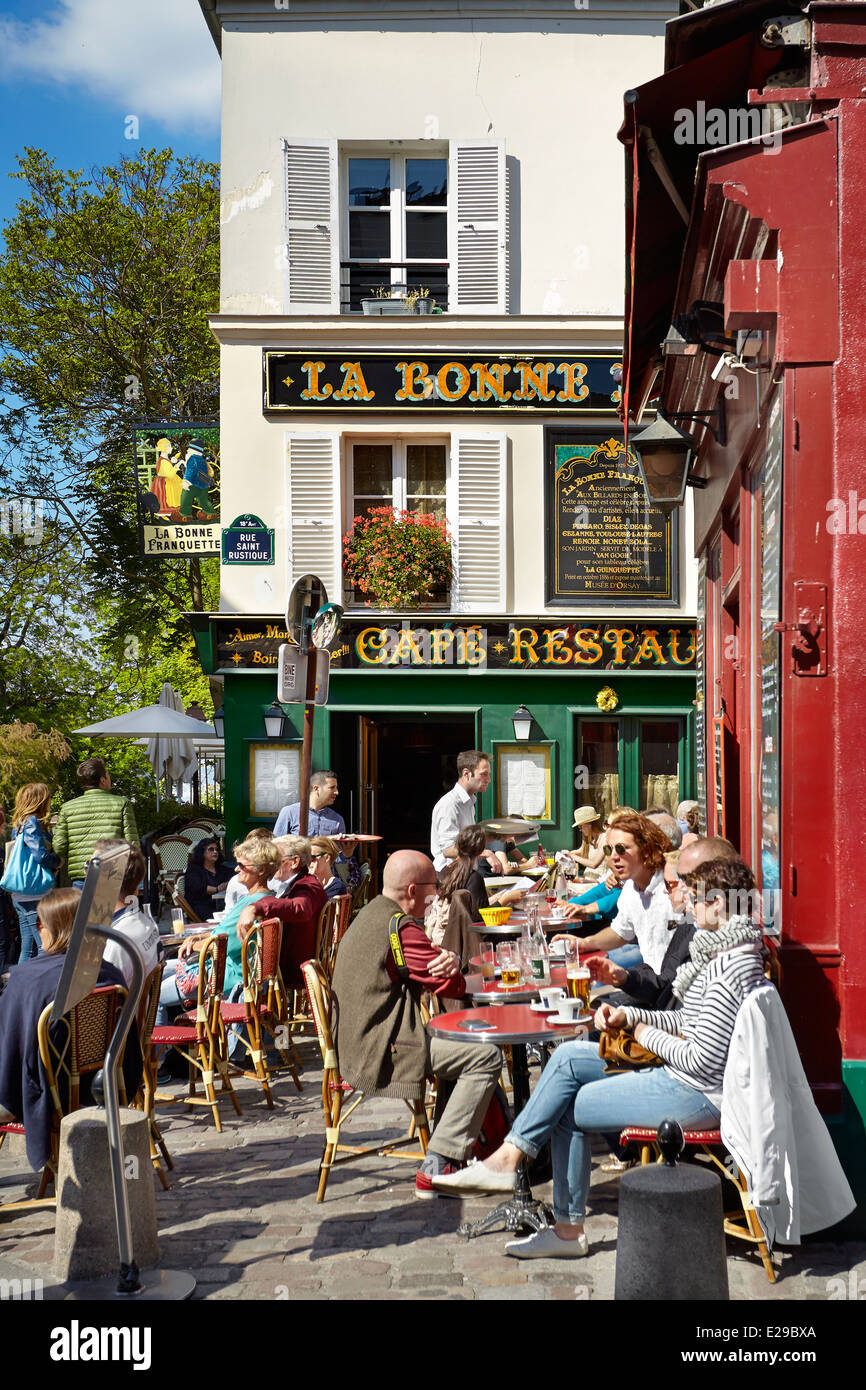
323, 820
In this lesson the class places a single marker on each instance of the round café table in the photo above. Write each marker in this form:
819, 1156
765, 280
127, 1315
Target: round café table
515, 1025
482, 991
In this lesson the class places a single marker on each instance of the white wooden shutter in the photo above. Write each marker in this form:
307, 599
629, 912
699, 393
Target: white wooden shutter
478, 470
312, 227
313, 509
477, 230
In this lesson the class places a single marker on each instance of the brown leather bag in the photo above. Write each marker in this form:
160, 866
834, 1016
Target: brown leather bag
619, 1050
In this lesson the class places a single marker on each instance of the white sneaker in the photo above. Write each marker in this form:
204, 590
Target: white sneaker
475, 1178
546, 1245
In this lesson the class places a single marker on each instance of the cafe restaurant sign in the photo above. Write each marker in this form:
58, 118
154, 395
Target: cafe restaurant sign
377, 644
367, 382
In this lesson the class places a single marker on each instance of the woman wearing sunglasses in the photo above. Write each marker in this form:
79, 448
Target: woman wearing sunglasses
635, 850
574, 1099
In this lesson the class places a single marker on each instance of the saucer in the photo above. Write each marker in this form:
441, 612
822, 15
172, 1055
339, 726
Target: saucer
539, 1008
567, 1022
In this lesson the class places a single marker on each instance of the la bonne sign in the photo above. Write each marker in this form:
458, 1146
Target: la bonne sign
526, 647
455, 381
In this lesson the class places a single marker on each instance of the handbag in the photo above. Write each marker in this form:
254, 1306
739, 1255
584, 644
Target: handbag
23, 874
621, 1052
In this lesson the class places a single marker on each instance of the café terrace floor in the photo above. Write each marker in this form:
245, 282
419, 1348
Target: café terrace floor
241, 1215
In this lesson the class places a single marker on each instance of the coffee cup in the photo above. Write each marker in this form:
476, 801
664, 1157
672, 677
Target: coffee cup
552, 997
569, 1009
558, 914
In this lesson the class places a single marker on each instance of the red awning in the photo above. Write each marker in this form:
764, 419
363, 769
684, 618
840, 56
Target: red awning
660, 177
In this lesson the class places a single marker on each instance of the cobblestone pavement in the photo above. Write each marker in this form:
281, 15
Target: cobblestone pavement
242, 1216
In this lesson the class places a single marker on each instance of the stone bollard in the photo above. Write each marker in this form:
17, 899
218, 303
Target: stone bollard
670, 1239
85, 1241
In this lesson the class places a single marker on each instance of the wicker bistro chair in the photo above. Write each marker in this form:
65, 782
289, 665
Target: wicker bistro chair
301, 1020
263, 1010
340, 1099
145, 1100
171, 854
69, 1050
200, 1036
742, 1222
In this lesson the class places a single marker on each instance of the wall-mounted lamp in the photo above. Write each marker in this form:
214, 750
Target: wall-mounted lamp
275, 721
665, 454
219, 722
522, 721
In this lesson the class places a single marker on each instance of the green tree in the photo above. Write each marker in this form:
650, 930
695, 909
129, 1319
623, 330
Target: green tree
28, 754
105, 287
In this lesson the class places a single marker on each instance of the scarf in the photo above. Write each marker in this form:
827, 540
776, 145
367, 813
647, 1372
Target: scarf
705, 945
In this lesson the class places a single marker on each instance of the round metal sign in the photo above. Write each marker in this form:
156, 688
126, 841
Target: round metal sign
307, 597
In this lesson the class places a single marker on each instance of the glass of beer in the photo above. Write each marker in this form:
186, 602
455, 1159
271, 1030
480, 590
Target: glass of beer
577, 981
488, 965
508, 960
177, 920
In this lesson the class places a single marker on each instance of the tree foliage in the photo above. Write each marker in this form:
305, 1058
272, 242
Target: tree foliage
105, 287
28, 754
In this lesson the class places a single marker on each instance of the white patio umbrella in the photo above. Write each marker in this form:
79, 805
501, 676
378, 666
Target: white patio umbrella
151, 721
172, 757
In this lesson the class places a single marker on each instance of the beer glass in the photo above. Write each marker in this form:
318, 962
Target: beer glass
578, 983
508, 960
488, 965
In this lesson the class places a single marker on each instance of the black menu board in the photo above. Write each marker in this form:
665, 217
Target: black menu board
605, 543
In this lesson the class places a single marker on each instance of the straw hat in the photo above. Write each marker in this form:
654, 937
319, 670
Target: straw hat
584, 814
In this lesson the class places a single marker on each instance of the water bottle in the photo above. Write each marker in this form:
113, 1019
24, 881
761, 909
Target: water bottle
539, 959
561, 885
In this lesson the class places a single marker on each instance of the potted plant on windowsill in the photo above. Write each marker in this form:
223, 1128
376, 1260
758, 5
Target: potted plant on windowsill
399, 560
385, 302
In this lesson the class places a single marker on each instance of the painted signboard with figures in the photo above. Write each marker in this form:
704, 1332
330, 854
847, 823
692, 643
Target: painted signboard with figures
177, 480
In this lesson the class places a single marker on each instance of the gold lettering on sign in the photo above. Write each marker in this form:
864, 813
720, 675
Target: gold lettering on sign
587, 648
556, 653
441, 641
417, 383
649, 649
618, 638
370, 645
311, 391
573, 388
536, 378
446, 392
490, 382
470, 647
519, 641
674, 644
354, 387
407, 649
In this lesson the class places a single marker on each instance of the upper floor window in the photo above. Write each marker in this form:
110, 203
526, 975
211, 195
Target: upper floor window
395, 227
362, 219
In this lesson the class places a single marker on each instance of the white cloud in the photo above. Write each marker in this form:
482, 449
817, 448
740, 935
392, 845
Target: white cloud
151, 58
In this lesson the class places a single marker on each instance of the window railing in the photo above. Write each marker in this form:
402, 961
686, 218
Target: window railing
360, 280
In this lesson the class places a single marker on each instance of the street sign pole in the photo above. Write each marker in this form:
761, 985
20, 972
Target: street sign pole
312, 622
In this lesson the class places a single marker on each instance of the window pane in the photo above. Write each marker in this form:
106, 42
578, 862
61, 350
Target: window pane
365, 505
429, 505
433, 279
660, 764
369, 183
426, 235
362, 283
426, 181
425, 470
598, 741
370, 234
372, 470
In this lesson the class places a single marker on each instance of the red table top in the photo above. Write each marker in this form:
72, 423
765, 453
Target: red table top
507, 1023
475, 984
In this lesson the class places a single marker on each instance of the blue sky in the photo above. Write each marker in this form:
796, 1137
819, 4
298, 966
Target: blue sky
72, 71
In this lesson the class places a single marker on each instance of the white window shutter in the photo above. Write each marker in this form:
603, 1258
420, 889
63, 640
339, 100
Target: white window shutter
312, 227
477, 228
478, 470
313, 509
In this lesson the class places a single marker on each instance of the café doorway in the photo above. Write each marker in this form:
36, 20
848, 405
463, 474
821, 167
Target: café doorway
394, 768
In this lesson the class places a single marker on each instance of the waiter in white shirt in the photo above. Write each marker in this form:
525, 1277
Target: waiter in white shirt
456, 809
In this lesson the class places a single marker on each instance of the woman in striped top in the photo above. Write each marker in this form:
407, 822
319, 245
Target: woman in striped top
574, 1099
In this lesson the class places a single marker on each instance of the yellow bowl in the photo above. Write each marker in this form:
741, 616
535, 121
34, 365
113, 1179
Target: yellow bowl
494, 916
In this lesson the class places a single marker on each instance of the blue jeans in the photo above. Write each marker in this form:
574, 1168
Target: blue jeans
31, 944
626, 956
574, 1099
